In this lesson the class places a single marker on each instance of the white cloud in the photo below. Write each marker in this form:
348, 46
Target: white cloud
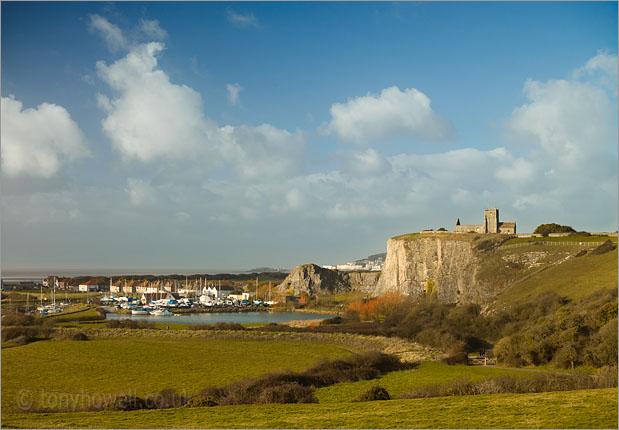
604, 62
152, 29
38, 142
233, 93
262, 152
151, 117
393, 113
601, 70
367, 162
521, 171
242, 20
111, 33
140, 192
571, 121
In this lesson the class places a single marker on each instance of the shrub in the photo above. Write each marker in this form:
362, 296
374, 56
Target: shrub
291, 392
374, 393
217, 326
457, 354
125, 402
581, 253
21, 340
131, 324
71, 335
32, 332
330, 321
199, 401
607, 377
545, 229
604, 248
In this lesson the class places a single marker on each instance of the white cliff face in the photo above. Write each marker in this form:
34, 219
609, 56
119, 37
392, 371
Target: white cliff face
446, 268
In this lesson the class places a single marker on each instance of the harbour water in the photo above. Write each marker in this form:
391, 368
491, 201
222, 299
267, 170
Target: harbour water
233, 317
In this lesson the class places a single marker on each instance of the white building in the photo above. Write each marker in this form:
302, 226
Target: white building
88, 287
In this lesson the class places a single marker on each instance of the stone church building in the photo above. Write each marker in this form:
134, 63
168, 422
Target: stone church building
491, 224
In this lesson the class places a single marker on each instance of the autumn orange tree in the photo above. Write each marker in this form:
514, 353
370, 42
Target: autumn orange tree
375, 309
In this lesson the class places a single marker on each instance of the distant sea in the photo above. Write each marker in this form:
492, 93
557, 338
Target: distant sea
36, 274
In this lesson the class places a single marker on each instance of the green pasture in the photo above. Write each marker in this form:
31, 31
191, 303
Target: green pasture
516, 240
147, 365
567, 409
401, 382
574, 279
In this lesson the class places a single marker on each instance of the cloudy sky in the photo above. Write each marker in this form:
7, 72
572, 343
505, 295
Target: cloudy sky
185, 136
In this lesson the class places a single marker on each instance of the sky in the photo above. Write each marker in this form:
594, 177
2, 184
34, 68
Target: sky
173, 137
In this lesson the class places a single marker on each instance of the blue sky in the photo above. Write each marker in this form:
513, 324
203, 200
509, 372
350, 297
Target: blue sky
194, 135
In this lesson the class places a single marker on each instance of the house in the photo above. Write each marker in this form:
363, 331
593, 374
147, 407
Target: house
220, 292
89, 286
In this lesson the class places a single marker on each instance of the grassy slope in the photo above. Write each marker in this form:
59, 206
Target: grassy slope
399, 383
574, 279
572, 409
147, 365
516, 240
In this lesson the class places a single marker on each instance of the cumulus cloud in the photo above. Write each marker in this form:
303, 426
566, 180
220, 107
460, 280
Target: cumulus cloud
111, 33
604, 62
152, 29
38, 142
150, 117
602, 70
367, 162
233, 93
392, 113
571, 121
241, 19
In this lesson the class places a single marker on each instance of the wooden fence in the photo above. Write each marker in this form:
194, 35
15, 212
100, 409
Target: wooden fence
547, 242
481, 361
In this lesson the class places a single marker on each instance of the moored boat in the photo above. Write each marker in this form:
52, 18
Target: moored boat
161, 312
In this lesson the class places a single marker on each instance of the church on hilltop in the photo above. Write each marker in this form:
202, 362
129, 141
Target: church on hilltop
491, 224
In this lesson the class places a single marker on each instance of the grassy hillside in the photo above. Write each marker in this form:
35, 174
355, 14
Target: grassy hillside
147, 365
573, 279
571, 409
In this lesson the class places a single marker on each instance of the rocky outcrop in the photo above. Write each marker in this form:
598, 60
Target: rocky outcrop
314, 280
446, 267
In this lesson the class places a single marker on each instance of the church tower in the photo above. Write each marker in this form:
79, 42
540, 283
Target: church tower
491, 220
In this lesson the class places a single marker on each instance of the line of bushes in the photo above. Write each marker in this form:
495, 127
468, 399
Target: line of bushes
132, 324
278, 387
537, 382
217, 326
22, 329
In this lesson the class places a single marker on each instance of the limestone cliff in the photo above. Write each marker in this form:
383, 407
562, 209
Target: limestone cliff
445, 266
312, 280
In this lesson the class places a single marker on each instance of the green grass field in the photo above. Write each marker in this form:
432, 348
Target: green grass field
401, 382
574, 279
568, 409
516, 240
147, 365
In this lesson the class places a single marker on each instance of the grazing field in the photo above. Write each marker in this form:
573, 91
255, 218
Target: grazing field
146, 365
574, 279
567, 409
403, 381
516, 240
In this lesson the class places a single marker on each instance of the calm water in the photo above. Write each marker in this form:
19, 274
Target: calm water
212, 318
